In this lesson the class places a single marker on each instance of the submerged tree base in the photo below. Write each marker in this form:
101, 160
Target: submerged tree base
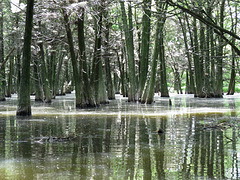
3, 99
85, 106
24, 111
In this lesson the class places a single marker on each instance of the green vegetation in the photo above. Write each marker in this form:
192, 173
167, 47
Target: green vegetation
133, 48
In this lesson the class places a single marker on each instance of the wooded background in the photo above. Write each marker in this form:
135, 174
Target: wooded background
102, 47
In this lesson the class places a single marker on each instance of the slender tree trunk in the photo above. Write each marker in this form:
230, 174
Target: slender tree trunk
148, 93
109, 81
207, 64
2, 69
45, 80
10, 78
197, 65
58, 74
146, 28
24, 103
97, 69
190, 76
219, 74
231, 87
87, 97
39, 95
75, 65
163, 73
191, 71
128, 29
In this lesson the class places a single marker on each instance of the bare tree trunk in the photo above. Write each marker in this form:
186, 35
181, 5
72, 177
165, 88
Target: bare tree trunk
24, 103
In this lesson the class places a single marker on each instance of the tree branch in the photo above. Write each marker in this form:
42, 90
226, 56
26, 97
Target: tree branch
202, 19
4, 62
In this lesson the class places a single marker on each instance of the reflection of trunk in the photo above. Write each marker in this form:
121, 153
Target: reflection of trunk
145, 149
186, 167
130, 158
159, 148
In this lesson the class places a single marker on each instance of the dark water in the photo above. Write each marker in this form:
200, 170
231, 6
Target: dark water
119, 140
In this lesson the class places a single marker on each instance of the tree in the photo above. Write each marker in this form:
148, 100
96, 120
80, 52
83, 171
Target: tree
146, 27
97, 69
87, 97
73, 59
2, 69
24, 103
128, 31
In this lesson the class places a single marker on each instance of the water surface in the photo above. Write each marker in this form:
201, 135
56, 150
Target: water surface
120, 140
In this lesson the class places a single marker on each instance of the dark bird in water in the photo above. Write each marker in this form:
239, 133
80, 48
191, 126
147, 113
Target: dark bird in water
160, 131
170, 102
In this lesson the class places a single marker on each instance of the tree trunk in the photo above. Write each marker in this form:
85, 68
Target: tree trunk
39, 95
219, 74
75, 66
45, 80
231, 87
197, 65
97, 69
87, 97
24, 103
10, 78
148, 93
146, 28
2, 69
128, 30
163, 74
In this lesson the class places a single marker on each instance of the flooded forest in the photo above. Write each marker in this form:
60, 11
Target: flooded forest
113, 89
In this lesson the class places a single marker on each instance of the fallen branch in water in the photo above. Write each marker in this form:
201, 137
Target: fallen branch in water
221, 126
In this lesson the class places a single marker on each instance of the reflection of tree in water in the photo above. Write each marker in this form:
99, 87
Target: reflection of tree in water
124, 147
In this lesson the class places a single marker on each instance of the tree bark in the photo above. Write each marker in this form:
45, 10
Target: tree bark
146, 28
132, 92
2, 67
97, 69
87, 97
190, 76
219, 74
24, 103
75, 65
109, 81
45, 80
197, 65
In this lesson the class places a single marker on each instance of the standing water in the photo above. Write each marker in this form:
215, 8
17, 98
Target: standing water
200, 140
